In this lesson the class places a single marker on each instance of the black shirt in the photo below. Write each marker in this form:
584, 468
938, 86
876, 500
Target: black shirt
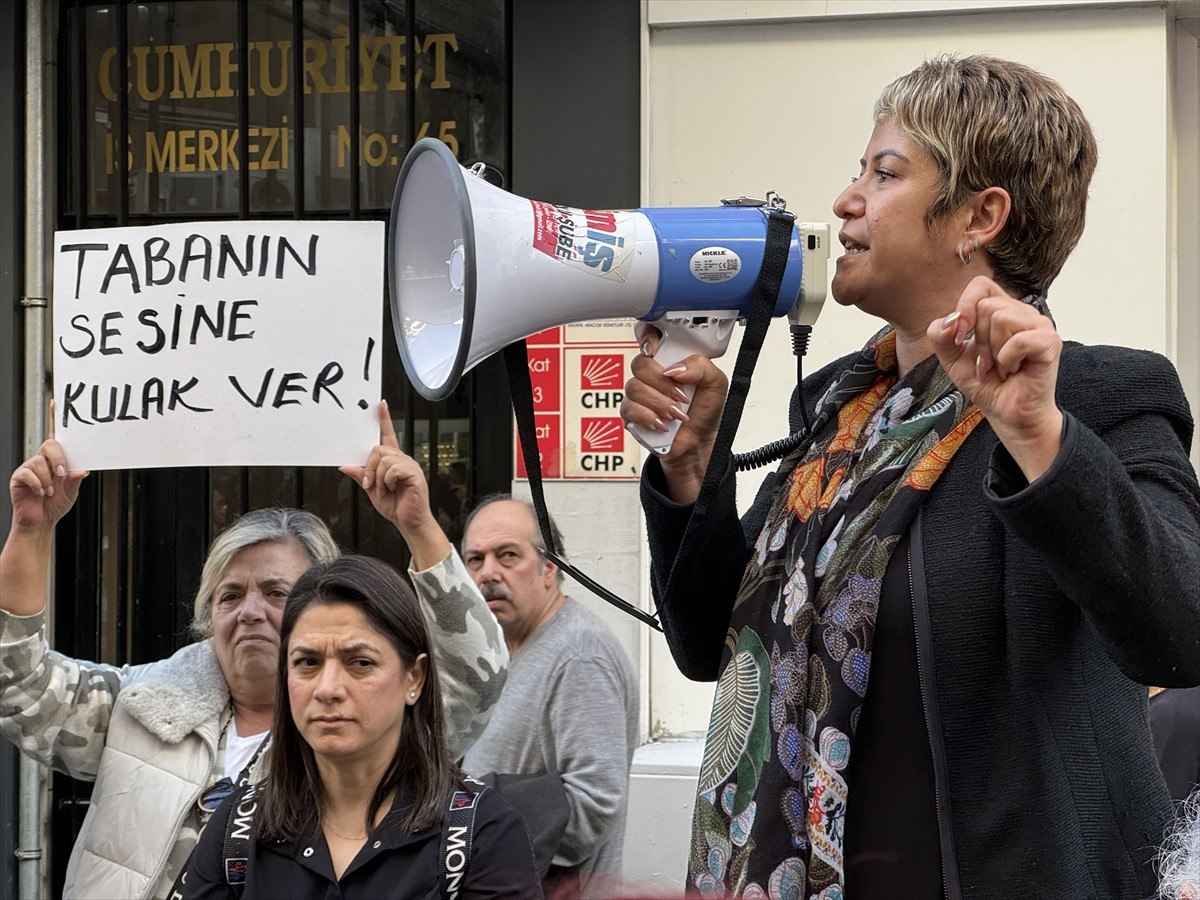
391, 865
891, 848
1175, 724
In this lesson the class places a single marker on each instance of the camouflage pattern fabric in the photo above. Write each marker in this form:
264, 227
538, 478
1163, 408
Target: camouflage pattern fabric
54, 708
472, 658
103, 723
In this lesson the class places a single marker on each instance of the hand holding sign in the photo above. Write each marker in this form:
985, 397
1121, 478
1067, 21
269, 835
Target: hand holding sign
218, 343
42, 489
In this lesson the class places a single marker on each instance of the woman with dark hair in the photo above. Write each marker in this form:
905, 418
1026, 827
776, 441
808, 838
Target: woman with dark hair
360, 780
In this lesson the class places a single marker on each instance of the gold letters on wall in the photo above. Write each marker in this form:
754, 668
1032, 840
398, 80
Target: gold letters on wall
178, 71
194, 82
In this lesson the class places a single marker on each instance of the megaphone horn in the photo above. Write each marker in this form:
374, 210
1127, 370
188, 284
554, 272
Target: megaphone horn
473, 268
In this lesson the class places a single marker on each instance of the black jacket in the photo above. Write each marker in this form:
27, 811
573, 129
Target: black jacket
1175, 724
392, 865
1041, 611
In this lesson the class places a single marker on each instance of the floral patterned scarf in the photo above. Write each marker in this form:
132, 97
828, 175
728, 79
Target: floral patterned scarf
772, 798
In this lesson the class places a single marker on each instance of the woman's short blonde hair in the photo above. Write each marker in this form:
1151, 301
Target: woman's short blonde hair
990, 122
256, 527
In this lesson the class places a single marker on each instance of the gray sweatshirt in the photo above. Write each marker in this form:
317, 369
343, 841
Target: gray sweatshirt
570, 706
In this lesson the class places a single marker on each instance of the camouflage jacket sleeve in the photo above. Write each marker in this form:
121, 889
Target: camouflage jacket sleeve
468, 648
54, 708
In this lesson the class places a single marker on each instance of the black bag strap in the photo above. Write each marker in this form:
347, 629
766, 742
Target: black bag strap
239, 838
239, 829
458, 829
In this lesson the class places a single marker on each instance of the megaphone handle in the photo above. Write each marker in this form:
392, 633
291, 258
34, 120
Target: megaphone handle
684, 333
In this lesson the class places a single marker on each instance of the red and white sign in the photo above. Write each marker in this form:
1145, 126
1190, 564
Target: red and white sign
551, 337
601, 435
578, 373
603, 372
545, 376
548, 429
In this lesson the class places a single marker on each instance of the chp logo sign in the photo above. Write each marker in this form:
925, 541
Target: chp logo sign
602, 448
578, 374
601, 435
603, 372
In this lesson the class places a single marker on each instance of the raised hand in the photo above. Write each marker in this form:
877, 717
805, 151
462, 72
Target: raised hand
397, 488
651, 398
42, 488
1003, 355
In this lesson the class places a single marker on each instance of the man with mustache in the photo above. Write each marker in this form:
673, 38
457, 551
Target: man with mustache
570, 704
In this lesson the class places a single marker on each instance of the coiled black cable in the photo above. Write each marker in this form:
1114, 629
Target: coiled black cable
777, 450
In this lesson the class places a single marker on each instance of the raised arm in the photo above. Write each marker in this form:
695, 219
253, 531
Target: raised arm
468, 645
396, 486
1115, 519
54, 708
42, 492
1110, 503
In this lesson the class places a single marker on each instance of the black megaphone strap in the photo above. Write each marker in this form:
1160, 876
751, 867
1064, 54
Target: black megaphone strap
516, 358
766, 292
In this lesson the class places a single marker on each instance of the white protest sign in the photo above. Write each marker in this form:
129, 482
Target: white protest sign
218, 344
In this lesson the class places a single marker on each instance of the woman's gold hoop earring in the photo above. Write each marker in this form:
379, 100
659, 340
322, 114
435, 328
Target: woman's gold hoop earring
965, 257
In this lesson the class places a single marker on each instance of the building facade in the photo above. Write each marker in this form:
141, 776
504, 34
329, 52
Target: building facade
589, 103
203, 110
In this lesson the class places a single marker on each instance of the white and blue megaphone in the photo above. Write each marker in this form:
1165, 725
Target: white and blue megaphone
473, 268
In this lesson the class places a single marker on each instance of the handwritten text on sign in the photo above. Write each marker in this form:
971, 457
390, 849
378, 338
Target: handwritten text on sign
218, 344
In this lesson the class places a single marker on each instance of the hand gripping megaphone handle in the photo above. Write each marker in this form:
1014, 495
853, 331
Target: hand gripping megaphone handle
706, 332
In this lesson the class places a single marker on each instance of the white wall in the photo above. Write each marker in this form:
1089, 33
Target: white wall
747, 107
745, 96
1185, 254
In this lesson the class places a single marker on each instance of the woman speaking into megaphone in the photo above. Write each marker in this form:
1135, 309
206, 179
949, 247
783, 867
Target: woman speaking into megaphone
931, 630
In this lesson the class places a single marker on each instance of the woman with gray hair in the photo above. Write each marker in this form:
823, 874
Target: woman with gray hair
165, 742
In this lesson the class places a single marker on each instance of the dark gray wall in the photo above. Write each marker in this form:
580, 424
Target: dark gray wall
576, 107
